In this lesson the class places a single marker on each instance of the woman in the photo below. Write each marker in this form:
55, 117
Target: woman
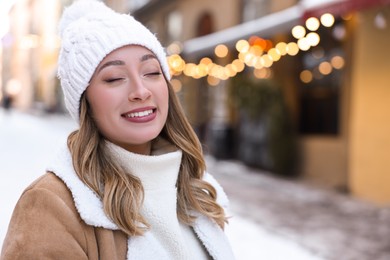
130, 183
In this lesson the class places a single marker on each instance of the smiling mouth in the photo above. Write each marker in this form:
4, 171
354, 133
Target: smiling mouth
139, 114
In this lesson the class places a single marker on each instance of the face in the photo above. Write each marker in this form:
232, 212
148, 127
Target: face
128, 96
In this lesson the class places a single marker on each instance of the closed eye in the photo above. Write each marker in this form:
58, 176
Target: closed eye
157, 73
112, 80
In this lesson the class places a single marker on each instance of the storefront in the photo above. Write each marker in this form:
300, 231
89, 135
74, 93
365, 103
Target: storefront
323, 91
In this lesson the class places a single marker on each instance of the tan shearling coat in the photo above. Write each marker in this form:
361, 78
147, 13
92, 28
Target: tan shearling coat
49, 203
59, 217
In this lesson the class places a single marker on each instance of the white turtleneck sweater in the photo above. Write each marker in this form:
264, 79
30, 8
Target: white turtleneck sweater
158, 174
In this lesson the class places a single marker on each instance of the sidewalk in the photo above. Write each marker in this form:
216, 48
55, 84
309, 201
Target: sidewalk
272, 219
330, 225
27, 142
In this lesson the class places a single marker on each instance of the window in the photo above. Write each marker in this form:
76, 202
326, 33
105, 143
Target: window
320, 87
205, 25
174, 26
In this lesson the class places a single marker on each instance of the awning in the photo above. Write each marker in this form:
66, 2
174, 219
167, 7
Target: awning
341, 7
265, 27
279, 22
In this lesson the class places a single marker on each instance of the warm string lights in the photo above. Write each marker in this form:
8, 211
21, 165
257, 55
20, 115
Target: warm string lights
323, 69
256, 52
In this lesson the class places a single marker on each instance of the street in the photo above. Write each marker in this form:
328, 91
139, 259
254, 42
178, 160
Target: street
27, 142
330, 224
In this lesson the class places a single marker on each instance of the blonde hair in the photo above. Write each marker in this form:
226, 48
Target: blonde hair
121, 193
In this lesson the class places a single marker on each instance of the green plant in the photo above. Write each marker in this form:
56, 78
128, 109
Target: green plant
262, 109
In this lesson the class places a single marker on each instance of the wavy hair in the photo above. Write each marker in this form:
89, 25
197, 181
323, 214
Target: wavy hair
122, 193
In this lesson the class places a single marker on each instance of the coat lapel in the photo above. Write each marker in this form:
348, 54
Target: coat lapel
211, 235
88, 204
213, 238
90, 208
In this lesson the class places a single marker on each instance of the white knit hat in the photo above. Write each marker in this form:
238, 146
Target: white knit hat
89, 31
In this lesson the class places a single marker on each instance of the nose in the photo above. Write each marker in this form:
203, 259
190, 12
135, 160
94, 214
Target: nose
138, 92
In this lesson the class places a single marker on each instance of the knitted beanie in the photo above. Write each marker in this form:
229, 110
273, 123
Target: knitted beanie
89, 31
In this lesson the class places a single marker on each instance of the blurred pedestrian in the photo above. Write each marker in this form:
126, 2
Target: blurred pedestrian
130, 183
7, 102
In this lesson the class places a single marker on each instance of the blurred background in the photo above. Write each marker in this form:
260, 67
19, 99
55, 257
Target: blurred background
296, 91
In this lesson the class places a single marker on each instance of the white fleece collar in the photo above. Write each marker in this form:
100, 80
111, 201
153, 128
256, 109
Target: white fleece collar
90, 208
87, 203
155, 171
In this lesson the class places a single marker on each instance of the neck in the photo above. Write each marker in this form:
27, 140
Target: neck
143, 149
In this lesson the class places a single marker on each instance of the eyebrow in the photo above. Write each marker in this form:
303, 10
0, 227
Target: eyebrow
148, 57
111, 63
121, 63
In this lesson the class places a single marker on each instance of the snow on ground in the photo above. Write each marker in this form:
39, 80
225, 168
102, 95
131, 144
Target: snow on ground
251, 241
28, 141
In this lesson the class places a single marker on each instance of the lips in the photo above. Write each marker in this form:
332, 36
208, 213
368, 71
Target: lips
140, 115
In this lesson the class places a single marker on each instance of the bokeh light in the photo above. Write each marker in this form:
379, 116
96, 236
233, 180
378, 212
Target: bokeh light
325, 68
337, 62
306, 76
313, 39
312, 23
304, 44
282, 48
242, 46
292, 48
327, 20
221, 50
174, 48
212, 81
263, 73
176, 85
298, 32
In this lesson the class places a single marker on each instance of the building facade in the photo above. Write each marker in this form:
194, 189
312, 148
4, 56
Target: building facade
30, 50
339, 124
318, 112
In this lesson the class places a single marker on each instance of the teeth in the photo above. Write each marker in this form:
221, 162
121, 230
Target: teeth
140, 114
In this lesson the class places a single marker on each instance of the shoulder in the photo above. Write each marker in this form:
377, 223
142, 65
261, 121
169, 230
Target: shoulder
45, 222
49, 198
47, 181
50, 184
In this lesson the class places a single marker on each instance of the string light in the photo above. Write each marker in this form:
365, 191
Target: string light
213, 81
304, 44
327, 20
337, 62
323, 69
312, 24
292, 49
242, 46
257, 53
274, 54
282, 48
176, 84
306, 76
221, 50
298, 32
313, 39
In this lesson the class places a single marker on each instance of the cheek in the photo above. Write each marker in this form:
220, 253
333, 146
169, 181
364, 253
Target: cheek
97, 100
163, 92
164, 98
